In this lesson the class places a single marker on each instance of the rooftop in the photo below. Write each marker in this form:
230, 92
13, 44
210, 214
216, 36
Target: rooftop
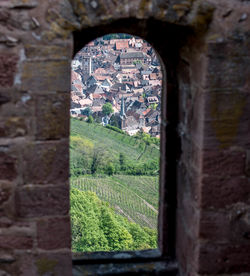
132, 55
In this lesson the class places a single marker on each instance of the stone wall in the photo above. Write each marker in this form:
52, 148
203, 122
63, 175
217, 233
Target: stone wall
205, 46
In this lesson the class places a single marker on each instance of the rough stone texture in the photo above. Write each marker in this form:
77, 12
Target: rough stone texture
7, 166
32, 201
49, 111
59, 233
46, 76
8, 63
49, 162
14, 127
205, 47
16, 242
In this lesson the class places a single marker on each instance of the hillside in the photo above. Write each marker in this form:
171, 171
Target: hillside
93, 148
96, 227
134, 197
121, 171
114, 142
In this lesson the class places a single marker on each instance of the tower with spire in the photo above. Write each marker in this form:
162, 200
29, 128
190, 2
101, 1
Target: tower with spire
122, 113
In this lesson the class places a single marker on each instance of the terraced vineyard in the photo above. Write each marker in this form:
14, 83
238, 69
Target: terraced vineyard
135, 197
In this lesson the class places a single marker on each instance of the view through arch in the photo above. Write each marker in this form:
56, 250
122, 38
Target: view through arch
116, 87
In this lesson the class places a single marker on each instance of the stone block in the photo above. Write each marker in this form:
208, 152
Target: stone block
229, 49
52, 116
46, 163
227, 73
227, 119
54, 233
222, 192
229, 258
7, 166
47, 52
32, 201
223, 163
5, 222
23, 3
4, 98
44, 263
16, 242
214, 225
5, 191
46, 75
8, 67
13, 127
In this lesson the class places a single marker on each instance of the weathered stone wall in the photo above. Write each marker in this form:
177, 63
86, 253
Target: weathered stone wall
214, 184
208, 73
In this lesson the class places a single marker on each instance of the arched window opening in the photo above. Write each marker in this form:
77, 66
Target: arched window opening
116, 95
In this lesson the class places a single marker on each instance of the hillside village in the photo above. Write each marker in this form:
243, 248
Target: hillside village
124, 72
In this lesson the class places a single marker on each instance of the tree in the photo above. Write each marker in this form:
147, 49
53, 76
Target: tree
87, 111
97, 160
96, 226
107, 108
114, 121
122, 160
110, 169
90, 119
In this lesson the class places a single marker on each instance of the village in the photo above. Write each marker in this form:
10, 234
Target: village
124, 72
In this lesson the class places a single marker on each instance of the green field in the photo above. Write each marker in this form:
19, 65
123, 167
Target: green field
114, 142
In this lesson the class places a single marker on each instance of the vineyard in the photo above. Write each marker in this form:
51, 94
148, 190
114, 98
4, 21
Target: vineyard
135, 197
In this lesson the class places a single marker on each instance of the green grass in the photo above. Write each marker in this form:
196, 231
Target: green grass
114, 142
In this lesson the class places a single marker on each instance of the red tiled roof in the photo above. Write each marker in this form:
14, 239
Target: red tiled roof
75, 76
146, 111
119, 45
97, 96
78, 87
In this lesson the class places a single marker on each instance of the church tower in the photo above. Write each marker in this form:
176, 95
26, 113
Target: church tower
122, 114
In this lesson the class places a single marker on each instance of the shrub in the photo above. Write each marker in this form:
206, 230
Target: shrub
90, 119
115, 129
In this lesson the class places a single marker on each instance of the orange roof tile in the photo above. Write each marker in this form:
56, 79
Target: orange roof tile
119, 45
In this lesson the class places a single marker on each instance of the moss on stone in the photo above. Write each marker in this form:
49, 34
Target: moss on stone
45, 265
223, 115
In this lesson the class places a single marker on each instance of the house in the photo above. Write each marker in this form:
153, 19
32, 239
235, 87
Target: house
85, 102
155, 131
152, 117
155, 82
121, 44
153, 76
95, 89
145, 74
91, 81
130, 58
106, 84
105, 120
75, 64
119, 87
152, 100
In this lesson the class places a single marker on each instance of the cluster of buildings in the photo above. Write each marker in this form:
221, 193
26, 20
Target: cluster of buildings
123, 72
